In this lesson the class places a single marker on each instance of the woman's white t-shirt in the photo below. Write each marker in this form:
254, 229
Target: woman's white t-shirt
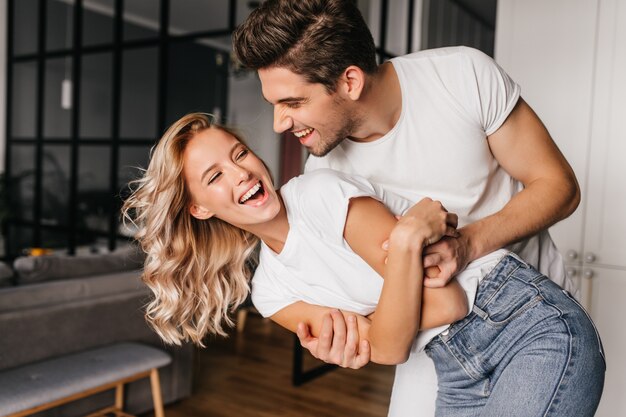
318, 266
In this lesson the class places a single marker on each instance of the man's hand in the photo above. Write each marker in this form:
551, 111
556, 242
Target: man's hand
338, 342
444, 259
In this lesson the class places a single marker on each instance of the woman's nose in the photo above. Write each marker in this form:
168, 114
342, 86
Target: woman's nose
242, 174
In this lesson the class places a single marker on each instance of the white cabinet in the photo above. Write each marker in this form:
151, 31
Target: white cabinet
569, 56
608, 309
605, 217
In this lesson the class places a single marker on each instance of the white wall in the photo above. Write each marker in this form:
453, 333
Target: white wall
250, 113
3, 72
253, 117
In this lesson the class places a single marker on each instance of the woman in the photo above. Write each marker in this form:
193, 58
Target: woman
204, 202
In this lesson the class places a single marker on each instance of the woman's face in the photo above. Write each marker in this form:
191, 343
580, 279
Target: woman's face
227, 180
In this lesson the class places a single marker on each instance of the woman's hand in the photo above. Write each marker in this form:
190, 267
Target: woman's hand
424, 224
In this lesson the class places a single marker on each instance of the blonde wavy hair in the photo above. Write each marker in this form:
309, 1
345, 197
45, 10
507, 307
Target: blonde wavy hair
197, 270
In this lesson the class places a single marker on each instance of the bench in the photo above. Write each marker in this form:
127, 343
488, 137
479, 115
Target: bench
39, 386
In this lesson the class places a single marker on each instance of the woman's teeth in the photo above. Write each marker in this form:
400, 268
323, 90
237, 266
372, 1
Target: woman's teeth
303, 133
250, 193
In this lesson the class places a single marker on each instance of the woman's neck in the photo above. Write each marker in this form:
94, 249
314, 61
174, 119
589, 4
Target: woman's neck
273, 232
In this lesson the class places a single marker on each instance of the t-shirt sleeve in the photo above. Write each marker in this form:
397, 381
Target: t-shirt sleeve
322, 198
267, 293
490, 93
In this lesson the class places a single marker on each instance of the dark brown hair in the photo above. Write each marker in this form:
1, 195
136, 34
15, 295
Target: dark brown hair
317, 39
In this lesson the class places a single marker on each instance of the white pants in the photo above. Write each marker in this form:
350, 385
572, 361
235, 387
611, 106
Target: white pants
414, 387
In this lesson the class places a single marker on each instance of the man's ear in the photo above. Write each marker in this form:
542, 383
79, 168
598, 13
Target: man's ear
352, 81
199, 212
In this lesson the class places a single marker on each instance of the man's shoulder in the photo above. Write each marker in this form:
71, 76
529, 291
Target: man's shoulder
441, 61
449, 52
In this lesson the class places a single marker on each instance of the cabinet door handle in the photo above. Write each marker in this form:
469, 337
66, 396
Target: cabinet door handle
571, 255
590, 257
588, 274
572, 272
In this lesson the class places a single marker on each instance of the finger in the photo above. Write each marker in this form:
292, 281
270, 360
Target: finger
452, 232
339, 330
432, 272
438, 247
432, 259
306, 339
437, 282
447, 271
452, 219
352, 339
364, 355
326, 337
303, 332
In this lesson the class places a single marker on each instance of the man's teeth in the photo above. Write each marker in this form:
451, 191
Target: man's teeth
303, 133
250, 193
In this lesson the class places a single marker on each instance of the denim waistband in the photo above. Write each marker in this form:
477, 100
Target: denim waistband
499, 275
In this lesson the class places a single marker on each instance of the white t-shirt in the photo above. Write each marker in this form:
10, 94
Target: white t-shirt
318, 266
452, 99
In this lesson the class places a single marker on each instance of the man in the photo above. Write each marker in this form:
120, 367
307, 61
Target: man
448, 124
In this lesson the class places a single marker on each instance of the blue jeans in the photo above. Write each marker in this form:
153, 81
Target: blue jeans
528, 349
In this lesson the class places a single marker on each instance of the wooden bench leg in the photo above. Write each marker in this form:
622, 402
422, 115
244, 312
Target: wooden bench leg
156, 393
119, 397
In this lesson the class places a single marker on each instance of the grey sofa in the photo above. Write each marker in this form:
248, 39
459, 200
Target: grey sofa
51, 318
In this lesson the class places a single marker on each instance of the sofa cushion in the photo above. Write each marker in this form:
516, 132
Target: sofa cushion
34, 269
25, 297
6, 273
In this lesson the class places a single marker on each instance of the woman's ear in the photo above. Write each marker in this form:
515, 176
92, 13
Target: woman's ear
199, 212
353, 81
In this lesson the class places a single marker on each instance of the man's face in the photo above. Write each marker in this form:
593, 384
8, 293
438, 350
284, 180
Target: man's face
318, 119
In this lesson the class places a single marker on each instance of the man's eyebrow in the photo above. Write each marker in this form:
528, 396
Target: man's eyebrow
206, 171
287, 100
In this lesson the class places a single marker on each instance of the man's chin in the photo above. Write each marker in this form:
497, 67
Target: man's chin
323, 149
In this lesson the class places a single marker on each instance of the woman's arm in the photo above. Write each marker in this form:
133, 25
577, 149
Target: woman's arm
393, 328
397, 318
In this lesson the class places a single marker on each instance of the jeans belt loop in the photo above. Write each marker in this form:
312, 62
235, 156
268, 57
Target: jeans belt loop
480, 312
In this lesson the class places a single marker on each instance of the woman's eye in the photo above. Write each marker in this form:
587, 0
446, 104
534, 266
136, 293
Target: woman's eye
242, 154
214, 177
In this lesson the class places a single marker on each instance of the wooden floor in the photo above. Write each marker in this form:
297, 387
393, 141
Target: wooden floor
249, 374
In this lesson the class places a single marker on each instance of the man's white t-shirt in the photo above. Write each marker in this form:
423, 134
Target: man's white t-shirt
318, 266
452, 99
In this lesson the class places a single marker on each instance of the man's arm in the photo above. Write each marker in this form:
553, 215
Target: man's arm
524, 148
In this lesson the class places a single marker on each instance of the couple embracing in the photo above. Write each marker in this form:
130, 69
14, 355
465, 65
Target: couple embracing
417, 235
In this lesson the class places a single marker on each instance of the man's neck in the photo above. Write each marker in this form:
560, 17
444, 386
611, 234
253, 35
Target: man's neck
381, 105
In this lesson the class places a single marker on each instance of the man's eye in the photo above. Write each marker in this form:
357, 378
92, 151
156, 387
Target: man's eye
242, 154
293, 105
214, 177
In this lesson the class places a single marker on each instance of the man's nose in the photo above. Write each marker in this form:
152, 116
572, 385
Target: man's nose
282, 121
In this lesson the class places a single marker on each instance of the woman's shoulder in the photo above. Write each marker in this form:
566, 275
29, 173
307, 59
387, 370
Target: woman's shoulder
327, 183
319, 199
